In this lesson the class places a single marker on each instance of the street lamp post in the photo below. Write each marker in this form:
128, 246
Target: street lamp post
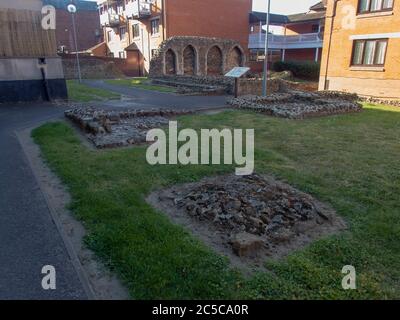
72, 10
265, 78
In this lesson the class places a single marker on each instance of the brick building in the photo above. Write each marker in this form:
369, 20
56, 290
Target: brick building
87, 23
301, 38
362, 48
134, 29
30, 68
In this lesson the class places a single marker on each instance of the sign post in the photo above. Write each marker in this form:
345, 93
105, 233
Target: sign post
237, 73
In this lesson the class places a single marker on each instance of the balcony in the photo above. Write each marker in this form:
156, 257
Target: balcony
110, 19
138, 9
301, 41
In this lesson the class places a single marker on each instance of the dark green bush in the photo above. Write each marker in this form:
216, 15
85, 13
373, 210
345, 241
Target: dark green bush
303, 70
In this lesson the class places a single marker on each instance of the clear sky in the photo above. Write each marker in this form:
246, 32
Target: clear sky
284, 6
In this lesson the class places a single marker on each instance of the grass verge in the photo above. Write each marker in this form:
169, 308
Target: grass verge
79, 92
349, 161
141, 83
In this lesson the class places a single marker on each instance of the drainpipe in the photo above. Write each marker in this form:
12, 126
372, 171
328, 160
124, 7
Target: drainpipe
330, 40
143, 52
164, 15
42, 66
128, 29
149, 48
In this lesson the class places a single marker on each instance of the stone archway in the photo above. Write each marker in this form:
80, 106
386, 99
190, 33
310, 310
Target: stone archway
170, 62
214, 61
189, 60
235, 58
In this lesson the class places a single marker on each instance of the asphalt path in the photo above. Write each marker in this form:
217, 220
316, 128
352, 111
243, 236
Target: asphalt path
29, 238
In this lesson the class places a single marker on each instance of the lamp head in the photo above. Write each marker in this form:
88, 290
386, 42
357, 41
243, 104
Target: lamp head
71, 8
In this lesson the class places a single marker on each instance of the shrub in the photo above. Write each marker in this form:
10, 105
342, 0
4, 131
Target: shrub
303, 70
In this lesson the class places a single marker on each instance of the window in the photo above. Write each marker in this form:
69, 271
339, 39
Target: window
109, 36
154, 52
136, 30
155, 26
369, 52
122, 33
366, 6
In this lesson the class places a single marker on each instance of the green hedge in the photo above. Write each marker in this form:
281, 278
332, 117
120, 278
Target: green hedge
303, 70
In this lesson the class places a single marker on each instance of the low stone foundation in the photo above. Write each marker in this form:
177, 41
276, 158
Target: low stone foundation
198, 84
225, 85
299, 104
302, 86
247, 218
110, 129
395, 103
254, 86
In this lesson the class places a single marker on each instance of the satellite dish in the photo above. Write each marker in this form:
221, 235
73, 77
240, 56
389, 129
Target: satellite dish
71, 8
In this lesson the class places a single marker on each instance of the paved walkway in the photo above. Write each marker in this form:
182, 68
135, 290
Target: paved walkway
29, 238
152, 99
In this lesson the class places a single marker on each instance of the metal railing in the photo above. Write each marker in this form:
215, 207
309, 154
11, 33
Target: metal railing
307, 40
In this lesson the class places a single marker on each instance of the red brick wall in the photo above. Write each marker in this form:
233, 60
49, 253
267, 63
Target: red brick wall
227, 19
97, 67
301, 55
300, 28
336, 70
87, 22
101, 50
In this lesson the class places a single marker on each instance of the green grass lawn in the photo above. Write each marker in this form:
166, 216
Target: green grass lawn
349, 161
79, 92
141, 83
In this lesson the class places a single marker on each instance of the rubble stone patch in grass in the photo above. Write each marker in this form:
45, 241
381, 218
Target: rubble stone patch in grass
248, 218
299, 104
110, 129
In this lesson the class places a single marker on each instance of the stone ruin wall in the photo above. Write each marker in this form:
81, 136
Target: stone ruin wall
196, 56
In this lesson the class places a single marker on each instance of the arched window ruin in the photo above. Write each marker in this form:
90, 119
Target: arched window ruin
235, 58
214, 61
170, 62
189, 60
